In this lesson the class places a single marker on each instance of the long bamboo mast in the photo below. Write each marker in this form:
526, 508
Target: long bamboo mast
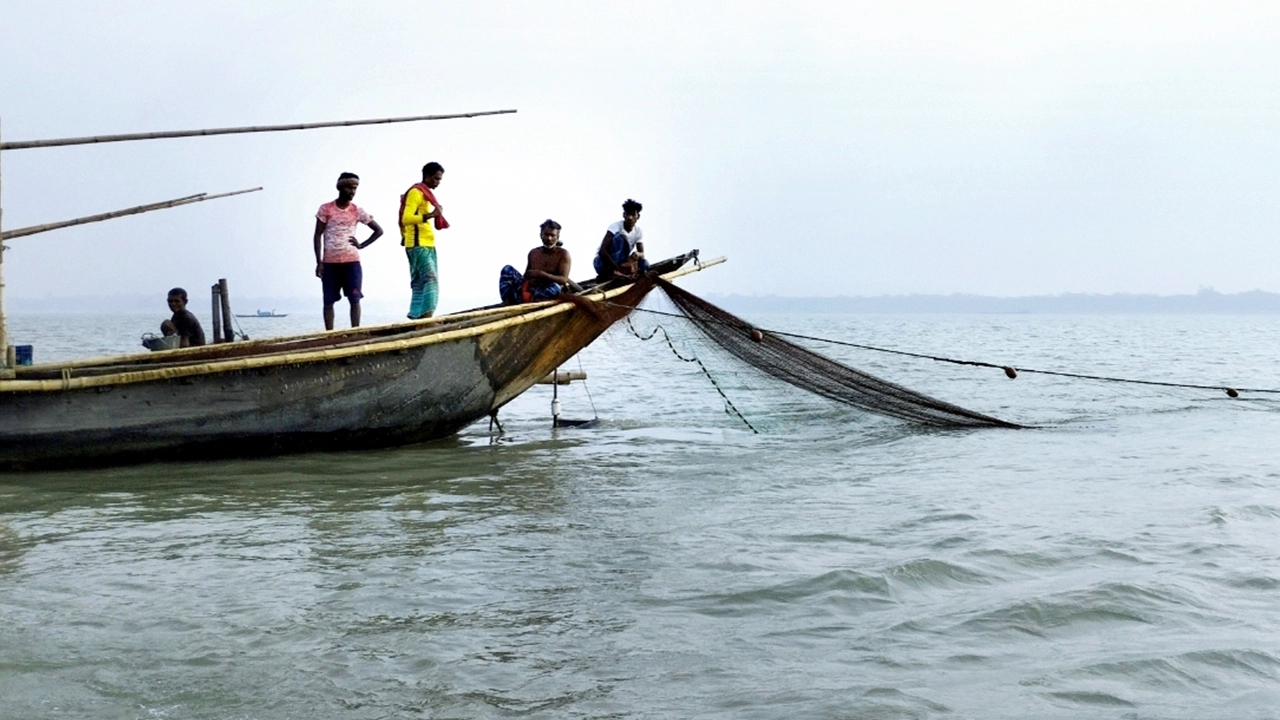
200, 197
4, 334
96, 139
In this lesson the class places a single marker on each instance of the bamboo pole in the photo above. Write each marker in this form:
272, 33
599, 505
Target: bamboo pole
217, 313
562, 378
200, 197
225, 294
4, 335
96, 139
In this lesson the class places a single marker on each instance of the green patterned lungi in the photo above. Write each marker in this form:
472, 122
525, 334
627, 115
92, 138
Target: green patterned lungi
423, 281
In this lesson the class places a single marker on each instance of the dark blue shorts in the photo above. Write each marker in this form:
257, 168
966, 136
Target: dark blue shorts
341, 279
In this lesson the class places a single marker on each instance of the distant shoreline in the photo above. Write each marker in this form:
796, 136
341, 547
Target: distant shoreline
1255, 302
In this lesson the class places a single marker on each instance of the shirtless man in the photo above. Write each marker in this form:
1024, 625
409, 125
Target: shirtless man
545, 275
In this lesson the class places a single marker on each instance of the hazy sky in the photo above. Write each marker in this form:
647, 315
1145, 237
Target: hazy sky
825, 148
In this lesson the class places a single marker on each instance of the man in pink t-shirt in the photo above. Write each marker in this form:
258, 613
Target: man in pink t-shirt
338, 251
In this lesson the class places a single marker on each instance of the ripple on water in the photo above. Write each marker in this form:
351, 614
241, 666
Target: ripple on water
851, 590
1081, 611
1247, 582
11, 549
935, 518
820, 538
1155, 681
1179, 673
929, 572
1090, 699
1259, 664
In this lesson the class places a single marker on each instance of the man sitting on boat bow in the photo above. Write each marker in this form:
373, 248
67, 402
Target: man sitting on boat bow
621, 253
546, 274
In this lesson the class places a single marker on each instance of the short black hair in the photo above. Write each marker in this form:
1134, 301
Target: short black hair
179, 292
631, 206
549, 223
347, 176
432, 168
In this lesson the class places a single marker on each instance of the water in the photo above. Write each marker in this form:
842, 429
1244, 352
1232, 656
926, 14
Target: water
1118, 561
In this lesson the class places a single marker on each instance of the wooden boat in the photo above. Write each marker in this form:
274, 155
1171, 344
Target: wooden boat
360, 388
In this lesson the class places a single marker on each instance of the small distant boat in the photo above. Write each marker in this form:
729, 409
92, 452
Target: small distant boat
266, 313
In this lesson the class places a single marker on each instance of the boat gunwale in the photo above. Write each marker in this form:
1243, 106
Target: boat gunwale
333, 337
294, 344
526, 313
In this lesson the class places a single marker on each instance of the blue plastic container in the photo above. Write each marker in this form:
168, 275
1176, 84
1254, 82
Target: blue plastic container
23, 354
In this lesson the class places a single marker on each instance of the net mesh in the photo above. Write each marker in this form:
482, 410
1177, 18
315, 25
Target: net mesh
810, 371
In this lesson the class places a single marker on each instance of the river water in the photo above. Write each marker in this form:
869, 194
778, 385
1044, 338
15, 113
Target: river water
1120, 560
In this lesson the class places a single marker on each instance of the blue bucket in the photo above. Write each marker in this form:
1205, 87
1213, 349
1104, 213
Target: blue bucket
22, 354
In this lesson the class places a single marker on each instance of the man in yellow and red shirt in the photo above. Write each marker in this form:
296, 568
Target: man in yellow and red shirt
420, 217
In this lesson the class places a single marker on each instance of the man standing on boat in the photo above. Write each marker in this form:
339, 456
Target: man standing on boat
420, 217
621, 253
338, 251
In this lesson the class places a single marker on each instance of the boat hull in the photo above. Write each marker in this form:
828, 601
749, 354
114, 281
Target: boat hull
387, 392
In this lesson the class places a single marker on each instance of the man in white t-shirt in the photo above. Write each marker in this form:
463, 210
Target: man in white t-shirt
621, 253
338, 251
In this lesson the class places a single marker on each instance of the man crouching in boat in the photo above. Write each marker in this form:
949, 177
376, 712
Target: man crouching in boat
546, 274
338, 251
184, 322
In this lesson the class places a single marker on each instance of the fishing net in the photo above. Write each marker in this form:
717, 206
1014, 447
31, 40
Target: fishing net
810, 371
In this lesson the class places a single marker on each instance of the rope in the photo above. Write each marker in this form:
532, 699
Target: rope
238, 330
594, 413
729, 406
1008, 369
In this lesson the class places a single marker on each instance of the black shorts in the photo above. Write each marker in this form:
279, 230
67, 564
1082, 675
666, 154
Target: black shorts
341, 279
